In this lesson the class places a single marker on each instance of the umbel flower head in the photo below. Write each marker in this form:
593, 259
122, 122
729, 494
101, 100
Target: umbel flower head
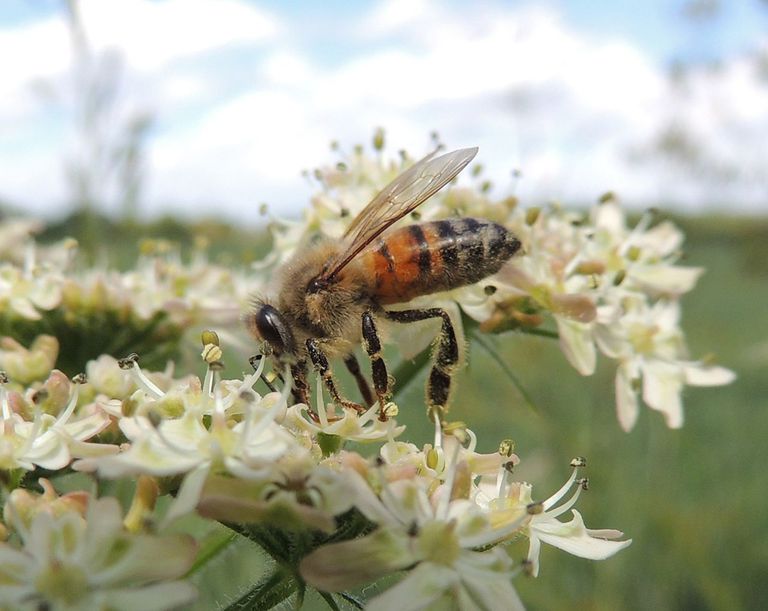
49, 290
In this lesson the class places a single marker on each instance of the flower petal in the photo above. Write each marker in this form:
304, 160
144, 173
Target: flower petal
574, 538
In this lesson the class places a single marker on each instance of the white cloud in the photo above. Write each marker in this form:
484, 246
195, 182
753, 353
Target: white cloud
533, 92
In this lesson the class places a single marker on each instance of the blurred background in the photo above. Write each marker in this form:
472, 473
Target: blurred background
135, 117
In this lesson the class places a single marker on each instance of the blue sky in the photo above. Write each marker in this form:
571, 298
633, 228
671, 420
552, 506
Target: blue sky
244, 95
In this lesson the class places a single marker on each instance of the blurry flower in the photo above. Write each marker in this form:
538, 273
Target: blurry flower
27, 365
295, 493
650, 347
23, 505
106, 377
26, 293
70, 561
15, 237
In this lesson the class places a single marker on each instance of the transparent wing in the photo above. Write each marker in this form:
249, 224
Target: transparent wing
405, 193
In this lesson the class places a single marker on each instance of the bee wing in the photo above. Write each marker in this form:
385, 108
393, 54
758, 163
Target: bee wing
405, 193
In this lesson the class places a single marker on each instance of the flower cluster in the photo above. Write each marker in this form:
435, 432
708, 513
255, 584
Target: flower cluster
604, 285
444, 511
47, 290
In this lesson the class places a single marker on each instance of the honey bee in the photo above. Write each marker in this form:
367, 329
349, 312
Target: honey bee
332, 292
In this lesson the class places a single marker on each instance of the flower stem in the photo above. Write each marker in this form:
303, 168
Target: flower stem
485, 342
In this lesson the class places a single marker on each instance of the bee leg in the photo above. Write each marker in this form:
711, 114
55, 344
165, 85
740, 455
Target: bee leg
446, 356
300, 389
378, 367
320, 361
354, 368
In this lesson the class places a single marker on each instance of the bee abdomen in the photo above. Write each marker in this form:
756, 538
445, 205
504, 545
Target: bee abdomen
437, 256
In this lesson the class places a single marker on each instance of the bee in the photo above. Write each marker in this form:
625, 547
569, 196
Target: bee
332, 293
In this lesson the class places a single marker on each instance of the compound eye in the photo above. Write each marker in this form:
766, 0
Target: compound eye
273, 330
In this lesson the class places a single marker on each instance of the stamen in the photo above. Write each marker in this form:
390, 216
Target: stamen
248, 381
131, 364
566, 506
269, 416
4, 396
442, 509
563, 489
322, 414
438, 432
64, 416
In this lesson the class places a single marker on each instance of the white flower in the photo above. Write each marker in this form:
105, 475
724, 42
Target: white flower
68, 562
510, 503
47, 441
650, 347
349, 426
438, 539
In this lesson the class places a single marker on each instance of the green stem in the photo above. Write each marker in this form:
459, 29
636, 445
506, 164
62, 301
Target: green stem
279, 587
352, 600
212, 550
491, 350
539, 332
329, 600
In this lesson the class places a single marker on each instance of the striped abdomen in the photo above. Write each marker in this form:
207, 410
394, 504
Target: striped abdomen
436, 256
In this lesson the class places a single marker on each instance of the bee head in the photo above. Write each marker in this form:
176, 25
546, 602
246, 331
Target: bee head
267, 324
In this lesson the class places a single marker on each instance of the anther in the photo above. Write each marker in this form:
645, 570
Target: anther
127, 362
508, 466
489, 289
579, 461
211, 353
390, 410
533, 509
39, 396
80, 378
247, 395
3, 377
506, 447
527, 567
619, 277
413, 529
583, 482
154, 418
209, 337
378, 139
216, 366
532, 215
608, 196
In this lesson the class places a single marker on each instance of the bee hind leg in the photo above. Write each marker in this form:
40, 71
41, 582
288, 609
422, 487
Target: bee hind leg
323, 367
446, 357
379, 373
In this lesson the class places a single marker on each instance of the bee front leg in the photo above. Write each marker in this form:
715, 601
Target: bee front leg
300, 388
362, 384
378, 367
323, 367
446, 356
